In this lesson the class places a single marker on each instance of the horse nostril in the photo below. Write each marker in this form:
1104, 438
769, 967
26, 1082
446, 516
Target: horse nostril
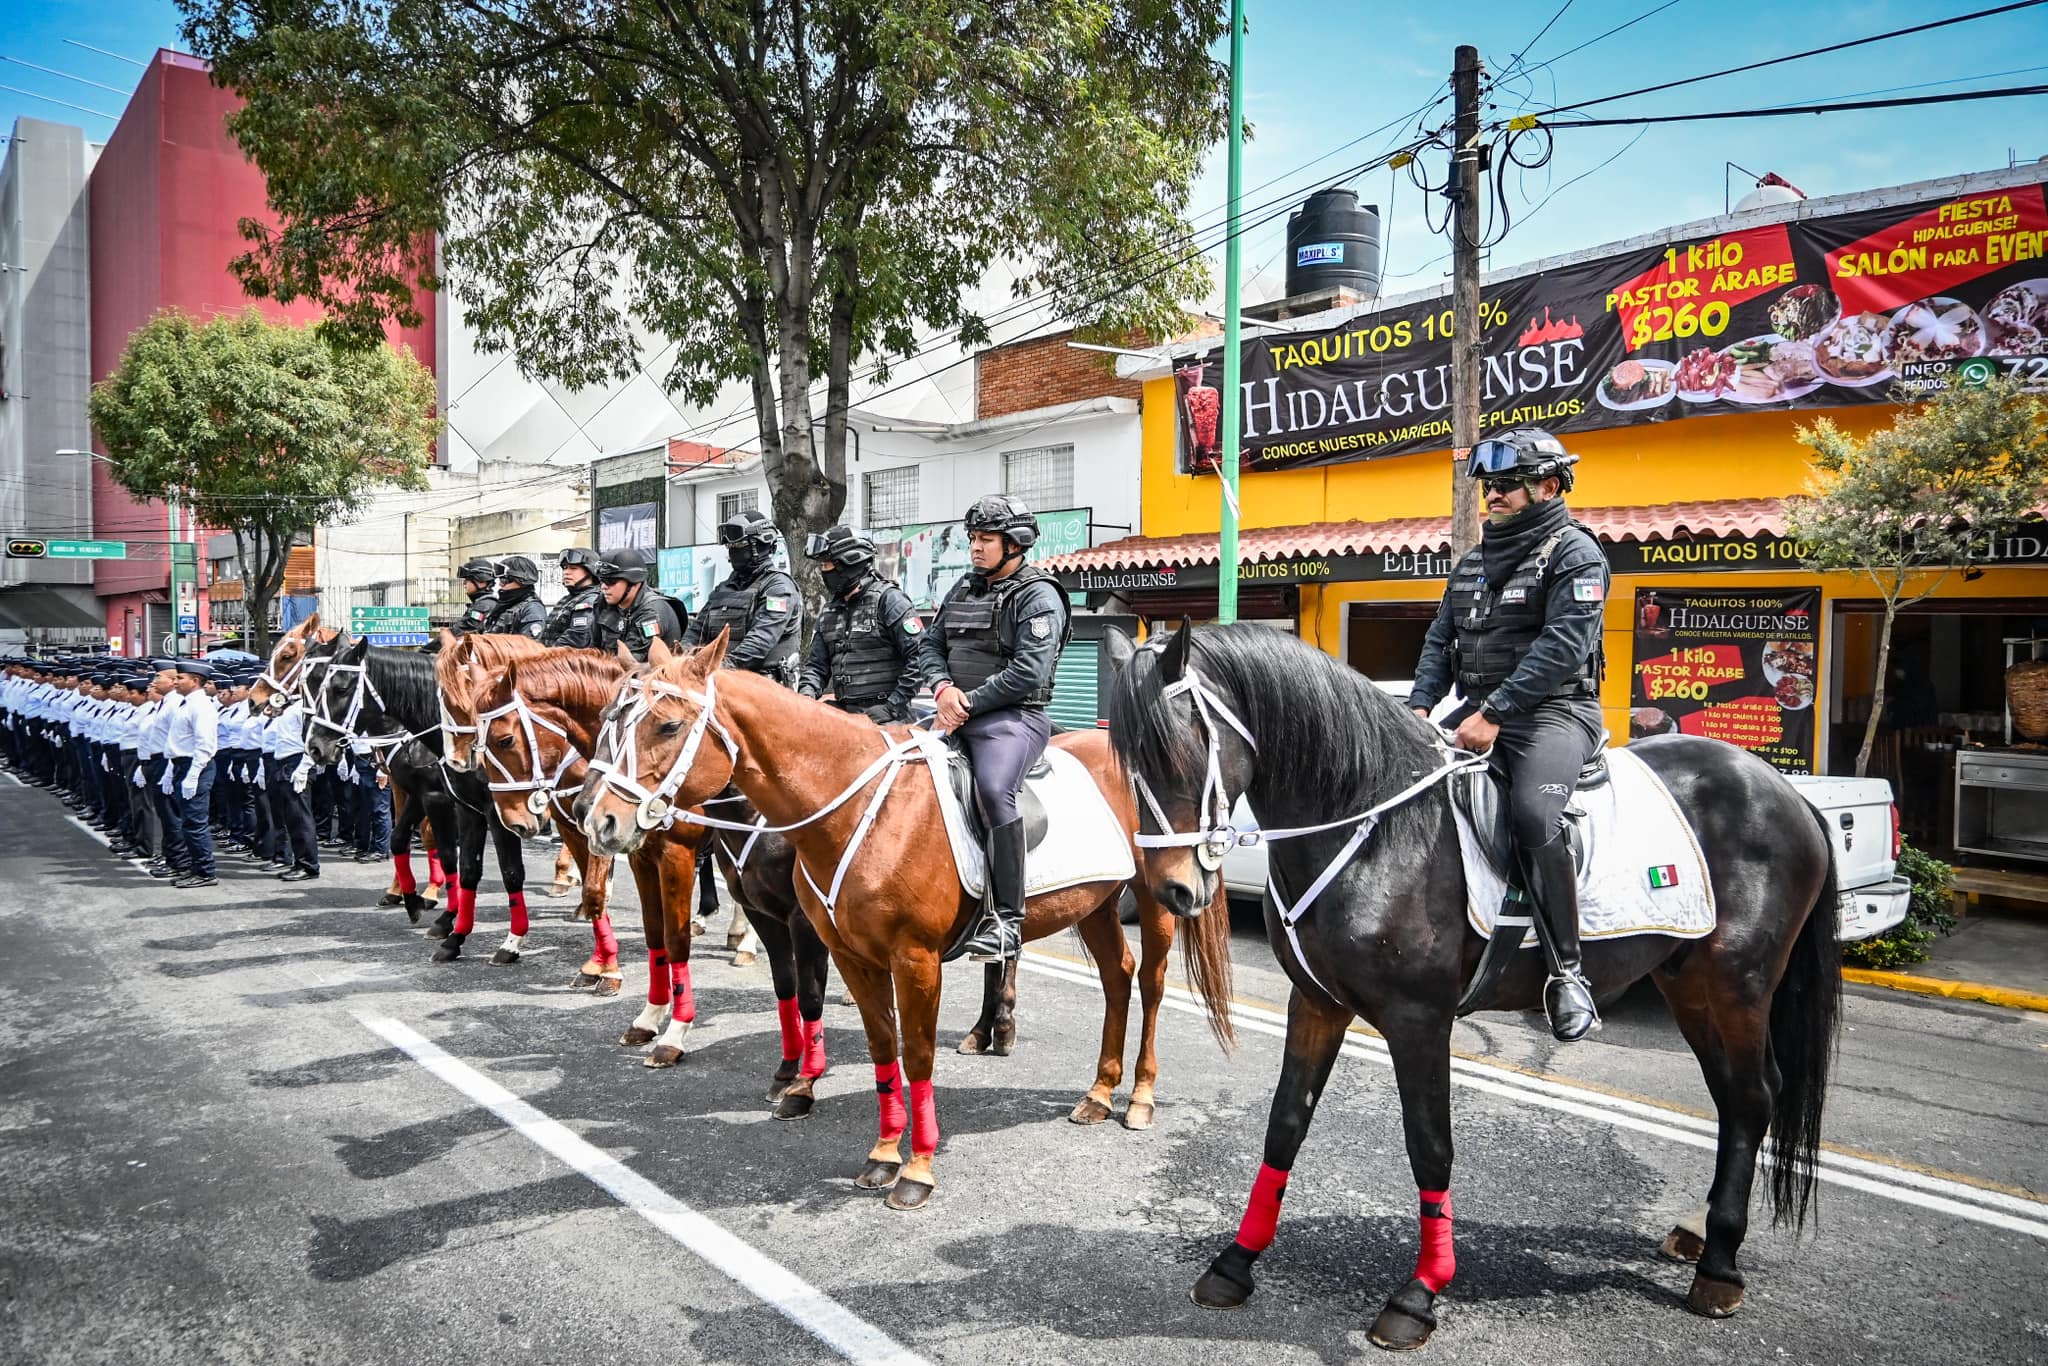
1177, 897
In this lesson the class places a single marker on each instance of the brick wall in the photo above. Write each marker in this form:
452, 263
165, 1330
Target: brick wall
1041, 373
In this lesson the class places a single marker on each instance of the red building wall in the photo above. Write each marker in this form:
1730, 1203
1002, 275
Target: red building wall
166, 197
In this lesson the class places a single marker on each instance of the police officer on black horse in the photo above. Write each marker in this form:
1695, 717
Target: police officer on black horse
865, 648
479, 577
519, 612
990, 655
635, 613
1519, 632
572, 622
757, 602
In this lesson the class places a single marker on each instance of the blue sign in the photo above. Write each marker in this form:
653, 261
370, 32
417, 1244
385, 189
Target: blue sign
188, 626
1319, 254
397, 639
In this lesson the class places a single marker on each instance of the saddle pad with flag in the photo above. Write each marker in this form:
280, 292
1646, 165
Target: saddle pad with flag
1084, 841
1643, 871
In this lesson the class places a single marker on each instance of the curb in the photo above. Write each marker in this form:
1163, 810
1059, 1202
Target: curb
2009, 997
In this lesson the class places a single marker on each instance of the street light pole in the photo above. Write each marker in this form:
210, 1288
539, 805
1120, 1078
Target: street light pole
170, 552
1226, 559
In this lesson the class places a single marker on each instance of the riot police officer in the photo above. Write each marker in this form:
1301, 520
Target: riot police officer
757, 602
479, 577
519, 612
990, 656
1519, 632
864, 650
634, 613
573, 620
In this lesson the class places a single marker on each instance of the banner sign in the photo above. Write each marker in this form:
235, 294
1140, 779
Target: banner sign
1853, 308
632, 527
925, 560
1738, 666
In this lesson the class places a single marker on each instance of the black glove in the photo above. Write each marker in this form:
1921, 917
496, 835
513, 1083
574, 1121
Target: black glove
882, 714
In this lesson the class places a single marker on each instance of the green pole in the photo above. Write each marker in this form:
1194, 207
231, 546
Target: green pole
1226, 567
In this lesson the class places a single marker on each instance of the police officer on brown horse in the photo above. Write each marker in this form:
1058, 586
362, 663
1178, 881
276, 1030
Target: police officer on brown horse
634, 613
757, 602
864, 650
1519, 632
572, 622
990, 656
519, 612
479, 575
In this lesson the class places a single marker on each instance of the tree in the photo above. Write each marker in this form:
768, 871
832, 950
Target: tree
1910, 505
262, 428
756, 191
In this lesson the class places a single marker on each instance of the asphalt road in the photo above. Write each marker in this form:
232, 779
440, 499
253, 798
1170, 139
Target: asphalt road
256, 1124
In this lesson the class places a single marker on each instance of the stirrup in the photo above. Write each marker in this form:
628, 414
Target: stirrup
996, 941
1570, 996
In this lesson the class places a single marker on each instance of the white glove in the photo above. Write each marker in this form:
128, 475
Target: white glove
138, 778
165, 786
345, 772
299, 778
189, 788
260, 784
105, 767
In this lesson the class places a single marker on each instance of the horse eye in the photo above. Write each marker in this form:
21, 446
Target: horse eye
504, 741
671, 728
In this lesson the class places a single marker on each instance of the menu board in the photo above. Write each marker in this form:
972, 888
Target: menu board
1824, 312
1734, 666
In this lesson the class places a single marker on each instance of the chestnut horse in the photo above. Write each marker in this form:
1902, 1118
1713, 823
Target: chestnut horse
465, 667
817, 773
539, 721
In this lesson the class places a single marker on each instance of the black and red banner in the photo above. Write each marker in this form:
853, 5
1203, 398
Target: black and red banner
1738, 666
1824, 312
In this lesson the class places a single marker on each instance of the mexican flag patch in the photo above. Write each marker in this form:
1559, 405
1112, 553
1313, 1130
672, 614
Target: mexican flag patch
1664, 875
776, 604
1588, 590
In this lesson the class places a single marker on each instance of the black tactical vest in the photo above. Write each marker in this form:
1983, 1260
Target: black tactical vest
732, 607
525, 616
1498, 623
864, 664
975, 651
579, 600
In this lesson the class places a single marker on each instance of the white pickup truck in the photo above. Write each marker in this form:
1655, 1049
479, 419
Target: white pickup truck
1861, 820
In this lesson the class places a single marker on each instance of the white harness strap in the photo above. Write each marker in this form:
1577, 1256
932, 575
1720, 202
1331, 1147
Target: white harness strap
542, 786
316, 714
618, 759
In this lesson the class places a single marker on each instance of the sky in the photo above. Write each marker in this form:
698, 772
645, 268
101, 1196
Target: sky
1321, 77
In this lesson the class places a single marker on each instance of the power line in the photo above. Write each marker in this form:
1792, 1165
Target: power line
51, 99
104, 53
65, 75
1598, 38
1780, 111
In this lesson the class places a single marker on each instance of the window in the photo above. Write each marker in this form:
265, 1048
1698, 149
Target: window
731, 505
889, 497
1042, 476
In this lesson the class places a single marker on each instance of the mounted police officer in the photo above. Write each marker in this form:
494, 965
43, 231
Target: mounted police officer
479, 577
865, 648
634, 613
757, 602
519, 612
573, 620
990, 656
1519, 631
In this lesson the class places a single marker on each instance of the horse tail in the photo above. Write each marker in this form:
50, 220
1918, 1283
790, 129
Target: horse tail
1805, 1014
1205, 954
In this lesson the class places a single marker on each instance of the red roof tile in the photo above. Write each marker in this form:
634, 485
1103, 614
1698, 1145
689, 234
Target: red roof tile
1657, 522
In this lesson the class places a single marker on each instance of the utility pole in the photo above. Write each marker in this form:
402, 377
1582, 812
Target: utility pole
1466, 328
1226, 559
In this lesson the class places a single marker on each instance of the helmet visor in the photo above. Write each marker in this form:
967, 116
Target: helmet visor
1493, 457
818, 547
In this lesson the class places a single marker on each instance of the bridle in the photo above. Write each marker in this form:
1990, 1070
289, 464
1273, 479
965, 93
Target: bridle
654, 808
543, 787
317, 715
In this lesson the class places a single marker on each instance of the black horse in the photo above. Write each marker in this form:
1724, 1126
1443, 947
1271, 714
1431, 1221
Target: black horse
383, 695
1387, 940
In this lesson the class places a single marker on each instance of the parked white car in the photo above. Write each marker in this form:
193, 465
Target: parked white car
1861, 819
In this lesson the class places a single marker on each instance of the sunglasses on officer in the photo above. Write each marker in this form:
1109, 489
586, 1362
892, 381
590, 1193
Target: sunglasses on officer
1507, 483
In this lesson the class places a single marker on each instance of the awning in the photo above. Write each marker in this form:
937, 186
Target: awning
27, 606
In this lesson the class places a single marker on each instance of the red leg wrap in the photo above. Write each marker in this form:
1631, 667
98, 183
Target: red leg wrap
1438, 1261
1262, 1214
889, 1099
607, 951
814, 1049
465, 908
519, 921
924, 1119
792, 1022
683, 1005
434, 875
407, 883
657, 977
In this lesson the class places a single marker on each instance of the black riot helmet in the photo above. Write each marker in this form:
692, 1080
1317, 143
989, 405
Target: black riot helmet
1007, 514
1529, 452
748, 538
627, 564
481, 569
518, 569
583, 558
851, 554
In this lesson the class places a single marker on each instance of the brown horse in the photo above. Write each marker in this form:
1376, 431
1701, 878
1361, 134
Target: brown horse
691, 730
466, 667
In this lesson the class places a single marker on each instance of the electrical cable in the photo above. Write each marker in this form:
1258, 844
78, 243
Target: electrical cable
1782, 111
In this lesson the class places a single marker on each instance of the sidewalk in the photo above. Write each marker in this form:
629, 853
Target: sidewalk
1997, 957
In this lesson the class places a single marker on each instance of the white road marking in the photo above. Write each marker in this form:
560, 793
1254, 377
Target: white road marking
1996, 1209
803, 1304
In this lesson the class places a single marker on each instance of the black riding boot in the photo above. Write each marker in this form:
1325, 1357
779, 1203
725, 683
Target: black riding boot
1002, 928
1554, 885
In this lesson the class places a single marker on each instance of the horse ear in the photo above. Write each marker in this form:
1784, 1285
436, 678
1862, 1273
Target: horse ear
355, 650
658, 652
309, 626
449, 640
712, 656
1121, 650
626, 657
1173, 662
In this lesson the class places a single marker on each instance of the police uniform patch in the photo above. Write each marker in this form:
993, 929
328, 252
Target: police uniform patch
912, 626
776, 604
1588, 590
1514, 595
651, 628
1041, 627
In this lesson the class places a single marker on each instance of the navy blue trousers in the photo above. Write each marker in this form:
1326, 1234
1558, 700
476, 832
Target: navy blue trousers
1001, 747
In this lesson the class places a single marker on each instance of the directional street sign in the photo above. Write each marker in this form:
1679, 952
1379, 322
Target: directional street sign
88, 550
393, 640
387, 620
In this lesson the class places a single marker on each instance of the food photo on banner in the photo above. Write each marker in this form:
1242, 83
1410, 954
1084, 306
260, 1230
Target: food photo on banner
1824, 312
1738, 666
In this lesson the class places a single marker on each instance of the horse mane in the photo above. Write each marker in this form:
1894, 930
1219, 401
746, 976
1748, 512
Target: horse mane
1332, 740
488, 652
405, 681
566, 674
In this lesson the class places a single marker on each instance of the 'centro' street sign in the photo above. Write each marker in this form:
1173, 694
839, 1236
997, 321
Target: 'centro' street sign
387, 620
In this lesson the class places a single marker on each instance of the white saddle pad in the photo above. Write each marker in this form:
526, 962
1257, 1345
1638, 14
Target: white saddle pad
1644, 871
1084, 842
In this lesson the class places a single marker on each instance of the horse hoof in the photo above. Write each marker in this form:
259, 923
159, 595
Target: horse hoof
1006, 1039
584, 981
444, 925
1138, 1115
390, 899
636, 1037
795, 1105
973, 1045
1713, 1299
877, 1176
908, 1195
664, 1055
1682, 1245
1407, 1320
743, 960
1228, 1283
447, 952
1089, 1111
504, 958
609, 986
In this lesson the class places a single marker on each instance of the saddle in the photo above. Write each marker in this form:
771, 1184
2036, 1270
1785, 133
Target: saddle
961, 774
1482, 795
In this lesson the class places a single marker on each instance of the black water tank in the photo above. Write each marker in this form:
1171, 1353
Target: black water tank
1331, 242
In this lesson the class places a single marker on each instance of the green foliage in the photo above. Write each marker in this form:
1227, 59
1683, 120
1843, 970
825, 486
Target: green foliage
1929, 913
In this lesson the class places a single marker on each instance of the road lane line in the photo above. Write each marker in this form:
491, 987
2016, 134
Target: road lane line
1996, 1209
803, 1304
